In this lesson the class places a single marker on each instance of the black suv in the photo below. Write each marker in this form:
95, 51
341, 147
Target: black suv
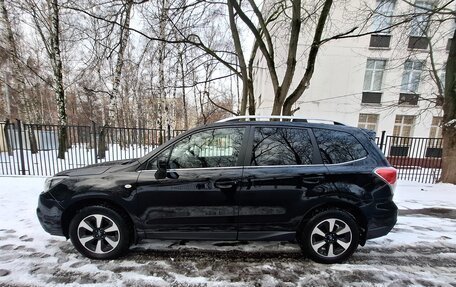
327, 186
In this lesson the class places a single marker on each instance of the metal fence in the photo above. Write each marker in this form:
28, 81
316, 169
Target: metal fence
31, 149
416, 159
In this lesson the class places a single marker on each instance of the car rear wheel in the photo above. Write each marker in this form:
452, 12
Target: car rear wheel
99, 232
330, 237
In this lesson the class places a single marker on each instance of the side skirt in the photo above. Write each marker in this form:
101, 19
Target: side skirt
244, 236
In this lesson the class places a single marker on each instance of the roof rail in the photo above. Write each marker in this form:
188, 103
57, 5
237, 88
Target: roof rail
291, 118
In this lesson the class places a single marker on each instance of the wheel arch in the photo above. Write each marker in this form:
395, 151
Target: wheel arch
74, 208
350, 208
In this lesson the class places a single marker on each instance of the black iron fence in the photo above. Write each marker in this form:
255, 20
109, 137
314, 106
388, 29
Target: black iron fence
31, 149
416, 159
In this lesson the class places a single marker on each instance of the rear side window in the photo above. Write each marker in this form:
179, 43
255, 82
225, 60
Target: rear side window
338, 147
281, 146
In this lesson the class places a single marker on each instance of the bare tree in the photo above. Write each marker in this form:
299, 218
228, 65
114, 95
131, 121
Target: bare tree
284, 98
46, 19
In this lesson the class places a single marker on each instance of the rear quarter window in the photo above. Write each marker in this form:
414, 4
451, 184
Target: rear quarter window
338, 146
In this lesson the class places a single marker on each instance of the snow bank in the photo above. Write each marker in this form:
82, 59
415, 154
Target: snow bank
420, 251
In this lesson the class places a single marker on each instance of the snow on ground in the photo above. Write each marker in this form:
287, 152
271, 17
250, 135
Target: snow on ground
420, 251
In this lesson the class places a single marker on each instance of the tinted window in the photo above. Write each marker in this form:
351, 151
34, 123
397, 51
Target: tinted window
281, 146
337, 146
210, 148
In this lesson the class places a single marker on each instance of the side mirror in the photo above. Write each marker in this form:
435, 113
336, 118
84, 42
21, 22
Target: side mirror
161, 169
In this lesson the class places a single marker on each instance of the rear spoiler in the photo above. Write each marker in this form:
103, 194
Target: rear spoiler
370, 133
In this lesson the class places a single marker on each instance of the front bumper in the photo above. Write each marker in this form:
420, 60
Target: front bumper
382, 220
49, 214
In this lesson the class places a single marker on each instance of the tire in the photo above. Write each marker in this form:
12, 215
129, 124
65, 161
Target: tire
99, 232
325, 245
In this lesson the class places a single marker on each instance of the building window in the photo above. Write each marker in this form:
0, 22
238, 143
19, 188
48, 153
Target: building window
411, 76
374, 75
419, 26
434, 146
408, 99
382, 16
403, 126
368, 121
371, 98
420, 23
373, 81
418, 43
436, 128
380, 41
443, 78
402, 132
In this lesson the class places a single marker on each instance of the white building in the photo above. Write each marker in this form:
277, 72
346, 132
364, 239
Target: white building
381, 82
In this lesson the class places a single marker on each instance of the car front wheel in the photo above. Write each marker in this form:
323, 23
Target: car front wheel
99, 232
330, 237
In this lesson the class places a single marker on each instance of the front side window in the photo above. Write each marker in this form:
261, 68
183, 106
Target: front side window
382, 16
374, 75
338, 147
411, 76
281, 146
210, 148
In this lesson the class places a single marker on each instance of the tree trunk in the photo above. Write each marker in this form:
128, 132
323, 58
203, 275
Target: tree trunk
6, 131
305, 81
123, 41
251, 94
56, 61
17, 69
114, 95
32, 139
161, 71
184, 100
449, 118
240, 57
449, 156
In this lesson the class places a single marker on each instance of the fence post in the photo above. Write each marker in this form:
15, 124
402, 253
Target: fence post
21, 146
169, 131
382, 140
94, 132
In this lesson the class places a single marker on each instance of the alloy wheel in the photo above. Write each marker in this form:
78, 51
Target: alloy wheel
98, 233
331, 237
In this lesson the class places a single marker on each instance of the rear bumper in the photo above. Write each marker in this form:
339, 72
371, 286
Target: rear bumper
49, 214
382, 220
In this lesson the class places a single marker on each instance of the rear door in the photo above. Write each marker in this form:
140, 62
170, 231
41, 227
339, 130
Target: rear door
282, 170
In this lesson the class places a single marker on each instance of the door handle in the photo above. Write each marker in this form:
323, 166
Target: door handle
225, 184
312, 179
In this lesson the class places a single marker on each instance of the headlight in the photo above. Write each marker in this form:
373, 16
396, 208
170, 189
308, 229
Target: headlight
52, 181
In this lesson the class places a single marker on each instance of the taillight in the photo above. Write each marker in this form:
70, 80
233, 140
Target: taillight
387, 174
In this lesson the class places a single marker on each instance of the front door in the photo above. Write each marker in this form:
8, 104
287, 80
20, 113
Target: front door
197, 199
